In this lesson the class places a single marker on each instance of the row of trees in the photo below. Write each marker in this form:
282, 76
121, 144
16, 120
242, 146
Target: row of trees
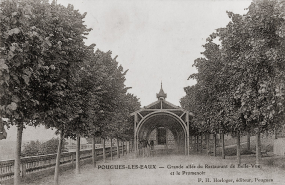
240, 80
49, 76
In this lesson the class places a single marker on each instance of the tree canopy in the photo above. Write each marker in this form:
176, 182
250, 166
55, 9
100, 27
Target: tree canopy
49, 76
240, 79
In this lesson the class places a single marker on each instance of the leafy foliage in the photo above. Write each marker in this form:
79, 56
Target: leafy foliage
34, 148
240, 82
49, 76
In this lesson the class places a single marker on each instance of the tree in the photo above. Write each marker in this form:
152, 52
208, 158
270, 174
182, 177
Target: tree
50, 146
21, 45
62, 56
111, 86
44, 66
43, 47
253, 46
205, 99
250, 75
121, 125
31, 148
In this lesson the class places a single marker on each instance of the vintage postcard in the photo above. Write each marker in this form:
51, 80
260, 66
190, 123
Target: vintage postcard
180, 92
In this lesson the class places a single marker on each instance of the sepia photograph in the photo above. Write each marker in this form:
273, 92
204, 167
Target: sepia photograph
142, 92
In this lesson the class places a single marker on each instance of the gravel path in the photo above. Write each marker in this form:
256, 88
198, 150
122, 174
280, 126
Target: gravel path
172, 169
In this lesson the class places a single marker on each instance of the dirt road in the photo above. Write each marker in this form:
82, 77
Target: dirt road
172, 169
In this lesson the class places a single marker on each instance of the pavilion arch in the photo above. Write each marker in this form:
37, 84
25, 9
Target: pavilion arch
162, 115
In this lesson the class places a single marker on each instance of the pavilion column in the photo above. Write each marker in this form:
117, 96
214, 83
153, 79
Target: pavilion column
166, 139
187, 134
185, 142
135, 134
178, 143
156, 136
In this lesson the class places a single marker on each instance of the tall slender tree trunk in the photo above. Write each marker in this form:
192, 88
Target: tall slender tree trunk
258, 148
248, 140
223, 146
17, 177
207, 143
118, 148
201, 143
93, 152
197, 144
122, 148
77, 154
104, 151
238, 148
57, 163
215, 144
111, 150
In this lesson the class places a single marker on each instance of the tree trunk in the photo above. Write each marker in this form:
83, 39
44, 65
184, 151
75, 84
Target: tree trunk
258, 148
197, 144
215, 144
104, 151
111, 150
238, 148
17, 178
122, 148
223, 146
201, 143
118, 148
248, 141
77, 170
56, 173
93, 152
207, 143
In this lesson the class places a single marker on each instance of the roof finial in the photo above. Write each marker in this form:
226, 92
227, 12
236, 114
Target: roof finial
161, 95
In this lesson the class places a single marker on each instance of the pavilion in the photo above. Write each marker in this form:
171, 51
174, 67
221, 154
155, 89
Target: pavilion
166, 124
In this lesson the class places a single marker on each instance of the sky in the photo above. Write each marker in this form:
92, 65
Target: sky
156, 40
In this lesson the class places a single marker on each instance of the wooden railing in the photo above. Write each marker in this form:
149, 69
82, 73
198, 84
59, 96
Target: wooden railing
43, 162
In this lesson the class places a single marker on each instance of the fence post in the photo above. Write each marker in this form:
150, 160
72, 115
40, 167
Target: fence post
72, 160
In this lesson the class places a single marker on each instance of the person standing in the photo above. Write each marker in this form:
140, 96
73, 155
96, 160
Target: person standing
140, 148
151, 146
144, 145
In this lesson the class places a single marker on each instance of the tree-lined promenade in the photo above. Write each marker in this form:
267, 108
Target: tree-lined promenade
240, 80
49, 76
